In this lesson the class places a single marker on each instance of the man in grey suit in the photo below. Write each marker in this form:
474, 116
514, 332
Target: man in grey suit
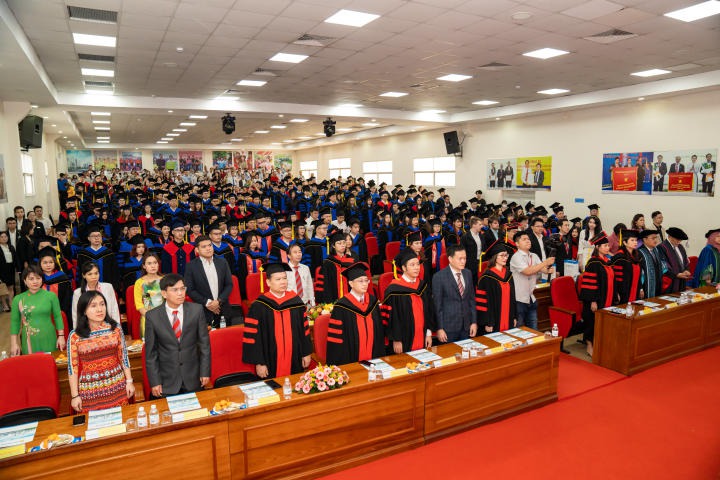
177, 346
454, 298
209, 282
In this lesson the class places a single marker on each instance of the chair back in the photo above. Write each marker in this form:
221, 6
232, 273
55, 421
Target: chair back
252, 286
693, 261
369, 235
444, 262
320, 333
226, 346
132, 314
29, 382
564, 295
391, 250
372, 246
234, 298
383, 282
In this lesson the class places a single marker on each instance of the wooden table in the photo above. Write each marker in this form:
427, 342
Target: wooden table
310, 435
630, 345
542, 295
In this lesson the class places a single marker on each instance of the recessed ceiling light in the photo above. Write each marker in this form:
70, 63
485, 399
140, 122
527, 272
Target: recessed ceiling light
98, 92
172, 134
262, 131
393, 94
46, 118
521, 16
251, 83
276, 143
103, 141
370, 124
640, 99
60, 131
349, 105
102, 128
179, 129
651, 73
53, 125
198, 117
351, 18
545, 53
696, 12
298, 120
179, 49
100, 114
288, 58
485, 102
33, 106
166, 139
65, 137
102, 122
319, 134
454, 77
187, 124
170, 111
497, 118
103, 138
433, 111
553, 91
97, 72
236, 139
278, 127
288, 141
95, 40
161, 141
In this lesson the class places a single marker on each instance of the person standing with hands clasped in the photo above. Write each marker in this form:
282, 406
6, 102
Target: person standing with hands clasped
525, 267
177, 346
454, 298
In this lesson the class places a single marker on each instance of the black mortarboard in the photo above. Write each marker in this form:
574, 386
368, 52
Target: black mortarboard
413, 237
498, 246
676, 233
554, 205
285, 224
710, 232
626, 233
325, 211
355, 271
93, 229
593, 206
558, 209
337, 237
177, 223
132, 224
271, 268
646, 233
403, 257
47, 252
137, 240
576, 220
599, 239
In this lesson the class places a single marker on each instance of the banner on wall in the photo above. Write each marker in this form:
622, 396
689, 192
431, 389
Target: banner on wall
104, 159
671, 172
283, 161
130, 161
191, 160
242, 159
222, 159
520, 173
263, 159
78, 161
165, 160
3, 186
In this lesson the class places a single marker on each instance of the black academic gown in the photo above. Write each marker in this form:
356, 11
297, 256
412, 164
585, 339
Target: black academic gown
627, 272
329, 283
61, 286
495, 300
596, 285
408, 313
106, 260
316, 251
355, 331
277, 334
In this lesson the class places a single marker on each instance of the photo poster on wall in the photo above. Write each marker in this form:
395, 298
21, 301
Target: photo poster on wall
629, 172
221, 159
104, 159
130, 161
78, 161
191, 160
3, 186
520, 173
501, 173
242, 159
263, 159
685, 172
283, 161
165, 160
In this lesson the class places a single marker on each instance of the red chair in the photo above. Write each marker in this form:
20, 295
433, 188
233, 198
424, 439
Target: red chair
252, 290
234, 298
132, 314
369, 235
383, 282
226, 365
693, 263
566, 308
372, 250
320, 333
444, 262
391, 250
29, 389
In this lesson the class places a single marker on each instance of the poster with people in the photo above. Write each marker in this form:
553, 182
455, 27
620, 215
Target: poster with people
242, 160
283, 161
191, 160
221, 159
106, 159
263, 159
520, 173
130, 161
629, 172
78, 161
165, 160
501, 174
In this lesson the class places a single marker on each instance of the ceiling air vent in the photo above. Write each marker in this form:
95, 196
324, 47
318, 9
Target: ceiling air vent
314, 40
96, 58
264, 73
494, 66
92, 83
611, 36
92, 14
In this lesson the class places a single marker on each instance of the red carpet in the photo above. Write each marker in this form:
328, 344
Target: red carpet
577, 376
660, 424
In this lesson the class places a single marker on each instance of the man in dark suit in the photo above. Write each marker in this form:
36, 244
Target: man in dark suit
539, 176
659, 177
537, 239
454, 298
677, 167
177, 346
509, 172
472, 243
209, 282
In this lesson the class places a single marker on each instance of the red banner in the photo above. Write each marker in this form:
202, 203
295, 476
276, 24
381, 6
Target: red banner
624, 179
680, 182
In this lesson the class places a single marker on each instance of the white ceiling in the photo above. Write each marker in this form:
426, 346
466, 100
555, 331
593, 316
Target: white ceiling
406, 49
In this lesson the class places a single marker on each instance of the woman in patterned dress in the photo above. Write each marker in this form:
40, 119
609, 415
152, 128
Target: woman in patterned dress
98, 366
147, 288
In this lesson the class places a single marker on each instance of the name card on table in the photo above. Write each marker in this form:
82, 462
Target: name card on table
444, 361
398, 372
105, 431
535, 339
494, 350
12, 451
191, 415
671, 305
254, 402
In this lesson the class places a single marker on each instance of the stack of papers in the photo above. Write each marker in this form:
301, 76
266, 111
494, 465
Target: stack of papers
104, 418
424, 356
183, 403
470, 343
500, 337
380, 365
17, 435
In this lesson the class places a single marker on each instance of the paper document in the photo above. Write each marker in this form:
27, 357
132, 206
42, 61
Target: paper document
104, 418
18, 434
424, 356
183, 403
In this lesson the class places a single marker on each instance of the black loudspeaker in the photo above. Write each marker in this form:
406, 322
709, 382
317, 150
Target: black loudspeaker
452, 145
31, 129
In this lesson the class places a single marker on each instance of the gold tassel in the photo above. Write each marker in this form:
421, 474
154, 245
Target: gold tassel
621, 237
506, 235
262, 284
327, 240
480, 264
341, 287
394, 269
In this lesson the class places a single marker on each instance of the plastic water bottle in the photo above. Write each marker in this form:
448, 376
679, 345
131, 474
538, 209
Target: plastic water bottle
223, 323
287, 389
154, 416
3, 356
372, 374
555, 330
142, 419
629, 311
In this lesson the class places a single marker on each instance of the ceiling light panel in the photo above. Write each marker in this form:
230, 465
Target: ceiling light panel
454, 77
97, 72
485, 103
696, 12
251, 83
553, 91
651, 73
100, 114
187, 124
393, 94
94, 40
288, 58
545, 53
298, 120
198, 117
352, 18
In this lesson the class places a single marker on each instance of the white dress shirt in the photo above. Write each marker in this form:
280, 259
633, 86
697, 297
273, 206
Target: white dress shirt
524, 284
170, 314
308, 295
211, 274
455, 275
478, 241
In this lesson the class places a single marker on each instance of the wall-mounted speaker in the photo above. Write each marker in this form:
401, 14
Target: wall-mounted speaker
30, 129
452, 145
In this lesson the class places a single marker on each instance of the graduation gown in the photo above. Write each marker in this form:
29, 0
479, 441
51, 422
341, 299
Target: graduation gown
249, 262
224, 250
495, 300
651, 272
329, 283
359, 248
627, 276
385, 234
316, 251
355, 331
408, 313
707, 270
132, 270
596, 285
277, 334
434, 246
106, 261
175, 256
267, 238
279, 251
674, 266
59, 284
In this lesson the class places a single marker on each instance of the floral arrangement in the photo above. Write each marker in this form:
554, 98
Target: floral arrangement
321, 378
321, 309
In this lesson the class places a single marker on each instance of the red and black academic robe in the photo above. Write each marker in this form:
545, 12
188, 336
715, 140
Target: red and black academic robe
330, 284
355, 331
106, 261
277, 334
249, 262
175, 256
434, 246
61, 286
671, 282
597, 284
627, 276
495, 300
408, 313
279, 251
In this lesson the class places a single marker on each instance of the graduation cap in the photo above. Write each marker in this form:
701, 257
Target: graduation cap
593, 206
62, 225
413, 237
497, 247
337, 237
299, 223
94, 228
132, 224
626, 234
400, 193
710, 232
353, 221
599, 239
541, 210
178, 223
576, 220
285, 224
137, 240
646, 233
676, 233
355, 271
529, 206
558, 209
434, 221
325, 211
473, 200
554, 205
403, 257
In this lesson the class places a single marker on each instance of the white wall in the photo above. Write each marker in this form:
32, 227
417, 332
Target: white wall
576, 140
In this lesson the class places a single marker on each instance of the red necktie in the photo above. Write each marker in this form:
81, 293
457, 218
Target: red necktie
298, 282
460, 285
176, 325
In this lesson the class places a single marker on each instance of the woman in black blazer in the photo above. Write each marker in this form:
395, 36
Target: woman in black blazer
25, 248
8, 263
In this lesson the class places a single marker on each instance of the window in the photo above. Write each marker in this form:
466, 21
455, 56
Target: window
378, 171
308, 169
339, 167
27, 170
435, 171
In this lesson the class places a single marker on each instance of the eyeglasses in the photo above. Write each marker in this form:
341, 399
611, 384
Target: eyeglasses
177, 289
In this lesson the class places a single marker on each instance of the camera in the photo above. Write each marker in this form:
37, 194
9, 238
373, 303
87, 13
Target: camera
329, 127
228, 123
